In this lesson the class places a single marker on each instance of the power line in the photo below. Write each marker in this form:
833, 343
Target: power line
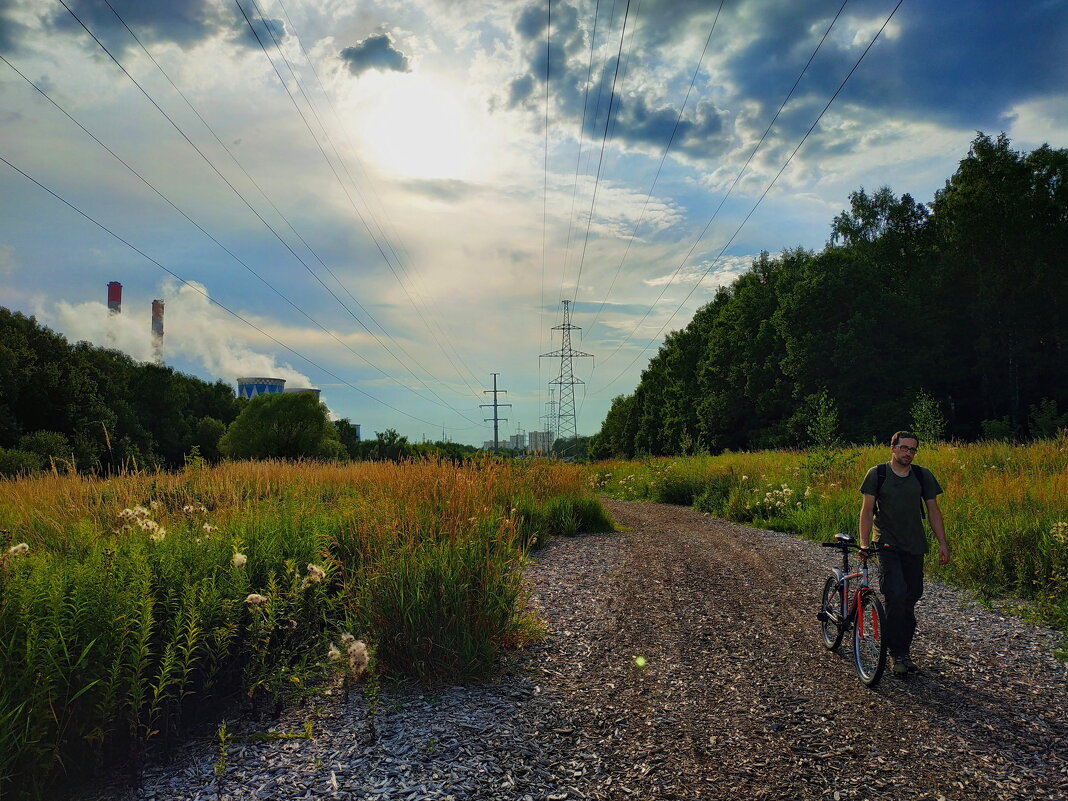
330, 165
660, 167
197, 289
600, 160
370, 209
326, 158
195, 224
232, 188
759, 200
236, 161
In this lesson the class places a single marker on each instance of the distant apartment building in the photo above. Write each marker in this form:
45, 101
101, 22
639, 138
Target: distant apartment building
517, 442
541, 441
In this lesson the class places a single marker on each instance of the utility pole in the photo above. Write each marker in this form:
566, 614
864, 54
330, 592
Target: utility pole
566, 422
496, 420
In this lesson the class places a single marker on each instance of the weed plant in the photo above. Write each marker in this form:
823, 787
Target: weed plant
128, 605
1005, 506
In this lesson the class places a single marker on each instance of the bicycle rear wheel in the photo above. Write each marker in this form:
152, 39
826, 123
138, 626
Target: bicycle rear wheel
831, 615
869, 648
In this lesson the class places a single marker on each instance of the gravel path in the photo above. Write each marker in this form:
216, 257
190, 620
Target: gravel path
736, 695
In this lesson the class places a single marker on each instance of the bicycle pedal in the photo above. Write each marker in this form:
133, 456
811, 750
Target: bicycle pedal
823, 616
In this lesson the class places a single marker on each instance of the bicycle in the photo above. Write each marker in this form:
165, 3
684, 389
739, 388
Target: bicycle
848, 600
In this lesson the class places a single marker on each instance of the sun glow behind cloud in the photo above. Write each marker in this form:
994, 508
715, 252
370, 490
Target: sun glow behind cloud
418, 125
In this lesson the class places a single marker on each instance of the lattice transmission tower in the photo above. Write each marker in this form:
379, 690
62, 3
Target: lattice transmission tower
567, 425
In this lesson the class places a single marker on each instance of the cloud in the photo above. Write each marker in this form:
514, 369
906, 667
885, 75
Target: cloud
193, 331
376, 52
257, 31
711, 275
640, 115
10, 28
185, 23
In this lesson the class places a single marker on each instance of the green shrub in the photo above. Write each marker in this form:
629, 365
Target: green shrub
14, 462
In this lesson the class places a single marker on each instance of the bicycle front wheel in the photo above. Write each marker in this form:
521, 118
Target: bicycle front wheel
869, 648
832, 615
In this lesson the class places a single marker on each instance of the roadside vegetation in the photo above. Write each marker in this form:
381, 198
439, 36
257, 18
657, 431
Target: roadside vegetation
131, 606
1005, 506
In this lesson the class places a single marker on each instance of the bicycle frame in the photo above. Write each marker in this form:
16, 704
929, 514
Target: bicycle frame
848, 600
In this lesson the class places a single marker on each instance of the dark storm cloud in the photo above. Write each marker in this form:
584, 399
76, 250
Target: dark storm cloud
376, 52
182, 22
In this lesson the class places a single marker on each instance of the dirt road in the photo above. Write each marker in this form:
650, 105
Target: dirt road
738, 697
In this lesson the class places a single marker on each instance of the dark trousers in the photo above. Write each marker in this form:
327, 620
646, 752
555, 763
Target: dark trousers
901, 580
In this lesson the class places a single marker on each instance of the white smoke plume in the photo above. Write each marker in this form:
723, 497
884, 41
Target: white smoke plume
194, 330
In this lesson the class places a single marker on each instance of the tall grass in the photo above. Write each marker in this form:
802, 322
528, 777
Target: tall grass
129, 605
1005, 506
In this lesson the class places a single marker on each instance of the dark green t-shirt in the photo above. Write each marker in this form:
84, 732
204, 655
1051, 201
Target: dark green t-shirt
898, 521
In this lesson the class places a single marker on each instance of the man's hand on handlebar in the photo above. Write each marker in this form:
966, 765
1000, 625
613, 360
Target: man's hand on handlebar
864, 553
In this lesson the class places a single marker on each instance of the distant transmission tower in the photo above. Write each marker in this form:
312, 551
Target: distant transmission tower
567, 425
496, 420
550, 416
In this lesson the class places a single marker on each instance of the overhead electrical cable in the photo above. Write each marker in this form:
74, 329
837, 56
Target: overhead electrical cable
226, 181
600, 160
544, 188
240, 166
578, 153
660, 167
759, 200
200, 228
330, 164
370, 208
200, 291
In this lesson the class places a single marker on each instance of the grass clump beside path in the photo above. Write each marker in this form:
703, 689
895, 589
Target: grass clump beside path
1005, 506
128, 605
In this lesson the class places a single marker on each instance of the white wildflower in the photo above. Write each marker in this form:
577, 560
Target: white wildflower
347, 638
315, 573
154, 505
254, 599
159, 535
332, 653
239, 559
208, 527
21, 548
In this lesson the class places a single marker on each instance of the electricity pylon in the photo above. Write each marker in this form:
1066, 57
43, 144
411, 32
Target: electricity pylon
495, 405
567, 425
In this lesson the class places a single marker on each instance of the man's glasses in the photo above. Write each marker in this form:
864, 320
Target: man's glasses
907, 448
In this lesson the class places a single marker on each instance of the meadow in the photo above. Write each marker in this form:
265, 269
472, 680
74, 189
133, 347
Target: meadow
132, 606
1005, 507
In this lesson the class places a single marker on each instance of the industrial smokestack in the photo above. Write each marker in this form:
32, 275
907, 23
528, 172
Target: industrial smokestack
157, 330
114, 297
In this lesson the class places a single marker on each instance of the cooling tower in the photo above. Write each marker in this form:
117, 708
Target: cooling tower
294, 390
251, 387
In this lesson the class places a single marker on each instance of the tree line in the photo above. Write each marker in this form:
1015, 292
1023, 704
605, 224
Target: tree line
97, 410
961, 304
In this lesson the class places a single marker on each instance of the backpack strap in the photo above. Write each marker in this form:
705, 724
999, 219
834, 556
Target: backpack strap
880, 479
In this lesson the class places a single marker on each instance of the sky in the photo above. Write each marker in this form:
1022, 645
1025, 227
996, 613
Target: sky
391, 199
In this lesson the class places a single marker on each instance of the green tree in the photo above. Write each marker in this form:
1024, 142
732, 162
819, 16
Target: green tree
209, 432
927, 419
283, 426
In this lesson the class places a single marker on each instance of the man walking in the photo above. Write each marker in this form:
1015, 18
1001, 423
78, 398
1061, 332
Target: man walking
897, 496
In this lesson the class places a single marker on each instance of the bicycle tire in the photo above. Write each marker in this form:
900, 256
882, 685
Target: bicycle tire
831, 608
869, 647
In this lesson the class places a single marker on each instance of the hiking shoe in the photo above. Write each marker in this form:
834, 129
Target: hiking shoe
910, 666
898, 666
